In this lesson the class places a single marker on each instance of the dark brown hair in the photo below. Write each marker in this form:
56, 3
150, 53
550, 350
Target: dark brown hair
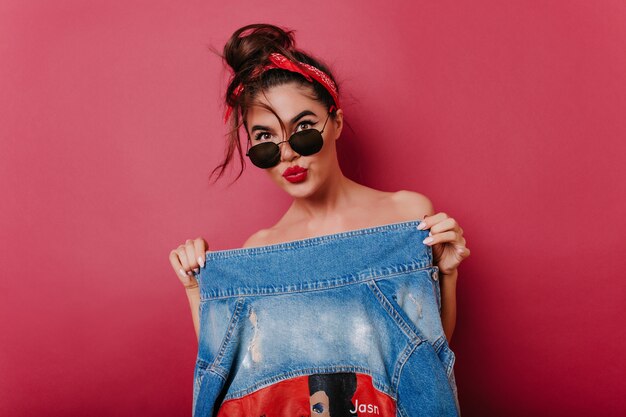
248, 48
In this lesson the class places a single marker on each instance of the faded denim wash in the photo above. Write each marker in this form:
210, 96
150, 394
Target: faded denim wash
344, 324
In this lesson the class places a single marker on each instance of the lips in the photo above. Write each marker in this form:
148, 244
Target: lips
293, 170
295, 174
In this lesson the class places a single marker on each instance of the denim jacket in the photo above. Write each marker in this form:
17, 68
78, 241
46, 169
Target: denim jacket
346, 324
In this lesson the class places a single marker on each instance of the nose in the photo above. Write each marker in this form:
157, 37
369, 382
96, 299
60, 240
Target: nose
286, 152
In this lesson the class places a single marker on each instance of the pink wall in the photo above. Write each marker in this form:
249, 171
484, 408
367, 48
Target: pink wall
508, 115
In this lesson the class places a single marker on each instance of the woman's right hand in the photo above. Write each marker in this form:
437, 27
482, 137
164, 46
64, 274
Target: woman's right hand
186, 259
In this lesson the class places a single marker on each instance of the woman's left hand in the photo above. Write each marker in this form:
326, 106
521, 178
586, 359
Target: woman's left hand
446, 239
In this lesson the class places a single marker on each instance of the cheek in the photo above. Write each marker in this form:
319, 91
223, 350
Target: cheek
323, 159
275, 174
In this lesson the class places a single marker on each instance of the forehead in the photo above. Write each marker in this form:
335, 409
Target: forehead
287, 100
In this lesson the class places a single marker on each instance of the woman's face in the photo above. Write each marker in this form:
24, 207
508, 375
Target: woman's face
320, 404
298, 112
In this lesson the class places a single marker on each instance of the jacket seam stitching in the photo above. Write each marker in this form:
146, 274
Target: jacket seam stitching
226, 340
387, 390
366, 278
391, 311
313, 241
401, 411
406, 354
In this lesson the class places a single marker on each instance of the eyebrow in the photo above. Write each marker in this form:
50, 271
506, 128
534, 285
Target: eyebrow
295, 119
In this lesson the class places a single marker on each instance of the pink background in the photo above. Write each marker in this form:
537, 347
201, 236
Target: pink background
508, 115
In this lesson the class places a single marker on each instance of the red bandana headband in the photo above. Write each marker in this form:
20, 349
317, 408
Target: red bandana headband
309, 72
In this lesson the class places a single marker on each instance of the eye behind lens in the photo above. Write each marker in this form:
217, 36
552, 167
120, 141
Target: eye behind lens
307, 142
264, 155
267, 155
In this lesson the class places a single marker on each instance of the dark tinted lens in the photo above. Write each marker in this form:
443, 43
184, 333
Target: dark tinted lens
307, 142
264, 155
267, 154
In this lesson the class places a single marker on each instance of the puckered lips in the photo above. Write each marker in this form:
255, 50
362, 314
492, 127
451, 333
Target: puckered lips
295, 173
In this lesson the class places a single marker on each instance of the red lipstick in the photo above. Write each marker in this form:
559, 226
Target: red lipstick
295, 174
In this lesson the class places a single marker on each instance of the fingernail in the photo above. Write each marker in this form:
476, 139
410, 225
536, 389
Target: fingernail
201, 261
182, 273
428, 240
421, 226
196, 270
190, 273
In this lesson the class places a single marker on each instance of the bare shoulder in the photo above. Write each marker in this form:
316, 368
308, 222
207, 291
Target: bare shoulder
257, 239
412, 204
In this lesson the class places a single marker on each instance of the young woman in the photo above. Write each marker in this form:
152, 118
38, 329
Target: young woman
288, 103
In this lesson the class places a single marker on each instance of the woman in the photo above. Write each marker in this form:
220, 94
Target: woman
281, 91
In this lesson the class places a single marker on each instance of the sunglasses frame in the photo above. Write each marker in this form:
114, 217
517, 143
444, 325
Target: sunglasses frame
276, 153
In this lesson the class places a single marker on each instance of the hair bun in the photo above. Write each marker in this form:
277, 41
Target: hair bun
252, 44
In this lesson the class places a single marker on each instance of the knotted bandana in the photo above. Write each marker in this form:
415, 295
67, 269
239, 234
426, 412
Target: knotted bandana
308, 71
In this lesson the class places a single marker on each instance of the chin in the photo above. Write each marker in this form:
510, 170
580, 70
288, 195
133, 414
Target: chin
299, 190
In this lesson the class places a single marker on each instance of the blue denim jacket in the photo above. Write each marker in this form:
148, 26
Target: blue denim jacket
346, 324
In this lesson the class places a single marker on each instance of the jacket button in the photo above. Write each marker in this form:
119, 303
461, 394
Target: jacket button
435, 275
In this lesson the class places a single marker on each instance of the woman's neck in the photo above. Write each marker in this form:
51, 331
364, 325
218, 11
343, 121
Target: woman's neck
332, 197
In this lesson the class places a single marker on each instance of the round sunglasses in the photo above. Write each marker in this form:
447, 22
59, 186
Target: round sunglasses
305, 142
